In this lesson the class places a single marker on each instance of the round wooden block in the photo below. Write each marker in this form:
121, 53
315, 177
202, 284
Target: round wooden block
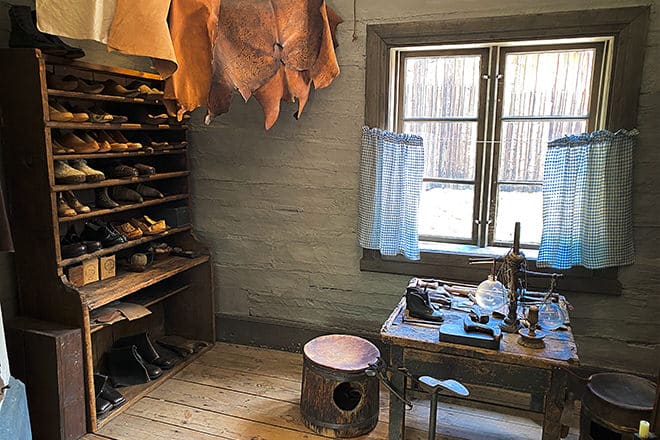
338, 399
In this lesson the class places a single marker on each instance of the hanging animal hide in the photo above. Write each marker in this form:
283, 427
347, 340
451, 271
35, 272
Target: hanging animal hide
274, 50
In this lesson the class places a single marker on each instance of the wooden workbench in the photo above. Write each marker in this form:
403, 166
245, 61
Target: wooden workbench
533, 380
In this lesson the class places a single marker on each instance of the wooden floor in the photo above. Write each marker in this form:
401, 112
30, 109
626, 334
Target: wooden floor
245, 393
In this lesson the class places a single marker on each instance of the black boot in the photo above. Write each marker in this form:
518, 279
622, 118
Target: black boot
419, 305
25, 34
106, 396
147, 350
126, 367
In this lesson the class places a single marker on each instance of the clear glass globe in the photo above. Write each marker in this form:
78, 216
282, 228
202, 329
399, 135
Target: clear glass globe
551, 316
491, 295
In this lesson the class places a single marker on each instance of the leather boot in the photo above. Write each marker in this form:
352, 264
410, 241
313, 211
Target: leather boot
104, 391
147, 350
126, 367
24, 33
419, 305
103, 200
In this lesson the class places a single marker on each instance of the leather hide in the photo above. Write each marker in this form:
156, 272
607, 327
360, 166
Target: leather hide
193, 26
273, 50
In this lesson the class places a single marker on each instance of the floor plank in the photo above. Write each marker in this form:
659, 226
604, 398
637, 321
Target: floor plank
129, 427
247, 393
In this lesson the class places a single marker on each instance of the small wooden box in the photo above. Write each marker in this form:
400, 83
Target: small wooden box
90, 270
107, 267
76, 276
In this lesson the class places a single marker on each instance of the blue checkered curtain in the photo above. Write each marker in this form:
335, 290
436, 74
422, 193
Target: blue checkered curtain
587, 201
391, 172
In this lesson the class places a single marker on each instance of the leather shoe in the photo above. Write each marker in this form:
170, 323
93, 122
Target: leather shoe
149, 192
103, 200
102, 406
72, 250
99, 231
104, 390
123, 172
419, 305
126, 194
148, 351
72, 237
126, 367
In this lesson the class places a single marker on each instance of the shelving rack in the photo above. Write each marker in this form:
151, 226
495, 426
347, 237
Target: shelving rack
177, 290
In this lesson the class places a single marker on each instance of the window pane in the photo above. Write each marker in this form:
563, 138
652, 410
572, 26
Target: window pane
449, 148
519, 203
446, 210
523, 146
548, 83
441, 86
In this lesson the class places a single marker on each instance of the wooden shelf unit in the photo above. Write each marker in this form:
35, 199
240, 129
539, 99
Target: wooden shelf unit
177, 290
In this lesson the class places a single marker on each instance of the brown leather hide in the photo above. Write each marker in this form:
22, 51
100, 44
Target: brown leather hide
193, 26
274, 50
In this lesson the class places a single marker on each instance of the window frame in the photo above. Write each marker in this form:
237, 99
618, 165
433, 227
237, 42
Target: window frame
490, 117
484, 53
628, 26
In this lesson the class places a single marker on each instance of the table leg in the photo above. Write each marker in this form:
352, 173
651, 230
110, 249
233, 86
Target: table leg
554, 405
397, 426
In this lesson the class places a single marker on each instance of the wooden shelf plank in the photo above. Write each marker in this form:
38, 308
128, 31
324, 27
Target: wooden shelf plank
100, 126
99, 97
116, 182
83, 65
134, 393
122, 208
146, 299
120, 247
121, 155
100, 293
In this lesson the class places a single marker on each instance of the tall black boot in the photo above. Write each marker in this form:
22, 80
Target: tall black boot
25, 34
71, 52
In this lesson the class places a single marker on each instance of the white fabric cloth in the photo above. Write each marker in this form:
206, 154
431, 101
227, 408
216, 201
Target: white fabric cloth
79, 19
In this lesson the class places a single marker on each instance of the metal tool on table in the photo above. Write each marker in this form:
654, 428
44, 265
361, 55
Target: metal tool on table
472, 333
530, 336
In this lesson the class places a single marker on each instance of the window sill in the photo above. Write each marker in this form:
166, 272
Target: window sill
450, 262
428, 247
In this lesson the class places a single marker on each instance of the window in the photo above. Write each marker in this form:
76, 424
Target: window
486, 113
627, 28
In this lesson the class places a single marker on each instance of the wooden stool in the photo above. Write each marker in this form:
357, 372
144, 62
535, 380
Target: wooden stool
338, 399
613, 405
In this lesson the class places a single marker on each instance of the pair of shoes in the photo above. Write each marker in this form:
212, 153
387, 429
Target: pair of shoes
78, 144
95, 114
98, 230
148, 226
146, 91
126, 194
72, 83
107, 397
126, 367
68, 205
148, 351
72, 245
58, 112
76, 171
122, 171
128, 230
112, 87
419, 305
182, 346
148, 192
65, 174
24, 33
118, 141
